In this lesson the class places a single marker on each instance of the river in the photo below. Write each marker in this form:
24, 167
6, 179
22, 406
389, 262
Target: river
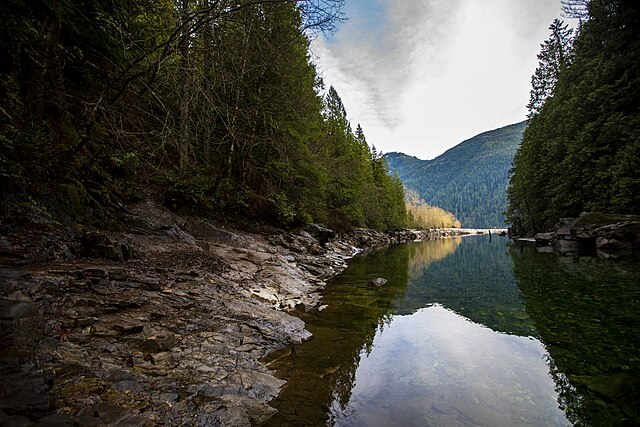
469, 331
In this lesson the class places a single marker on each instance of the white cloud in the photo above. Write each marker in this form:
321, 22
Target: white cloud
423, 75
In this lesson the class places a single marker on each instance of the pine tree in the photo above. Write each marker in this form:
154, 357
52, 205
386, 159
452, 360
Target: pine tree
553, 56
580, 151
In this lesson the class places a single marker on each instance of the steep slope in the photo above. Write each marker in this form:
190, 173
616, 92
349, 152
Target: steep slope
469, 179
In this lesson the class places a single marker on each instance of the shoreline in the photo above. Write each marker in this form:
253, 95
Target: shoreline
171, 323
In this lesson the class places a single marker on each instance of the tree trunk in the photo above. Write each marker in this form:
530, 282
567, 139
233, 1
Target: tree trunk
183, 144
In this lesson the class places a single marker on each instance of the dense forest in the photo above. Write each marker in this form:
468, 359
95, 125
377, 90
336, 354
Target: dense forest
581, 147
469, 180
216, 103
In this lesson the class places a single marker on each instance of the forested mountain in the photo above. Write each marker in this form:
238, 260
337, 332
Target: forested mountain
216, 102
581, 149
469, 180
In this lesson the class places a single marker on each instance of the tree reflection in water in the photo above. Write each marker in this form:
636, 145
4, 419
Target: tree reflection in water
586, 312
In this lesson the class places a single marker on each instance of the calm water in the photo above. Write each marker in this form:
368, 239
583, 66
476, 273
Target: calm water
469, 331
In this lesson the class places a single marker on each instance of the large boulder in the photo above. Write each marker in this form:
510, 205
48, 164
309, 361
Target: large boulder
324, 235
620, 236
564, 227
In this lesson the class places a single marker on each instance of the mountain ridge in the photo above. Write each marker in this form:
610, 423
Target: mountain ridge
469, 179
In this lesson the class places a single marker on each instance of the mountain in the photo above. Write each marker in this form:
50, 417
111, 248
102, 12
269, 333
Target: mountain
469, 179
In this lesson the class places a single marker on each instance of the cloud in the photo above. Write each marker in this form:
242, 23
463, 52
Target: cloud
422, 75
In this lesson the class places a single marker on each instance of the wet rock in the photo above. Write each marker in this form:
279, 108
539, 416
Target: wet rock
23, 388
95, 272
318, 271
101, 245
14, 421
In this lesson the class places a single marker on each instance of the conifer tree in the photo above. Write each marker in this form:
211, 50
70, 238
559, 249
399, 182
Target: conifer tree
553, 56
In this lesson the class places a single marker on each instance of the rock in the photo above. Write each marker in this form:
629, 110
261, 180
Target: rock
128, 386
21, 329
108, 414
563, 227
620, 236
600, 219
95, 272
255, 411
55, 420
317, 270
379, 281
23, 387
612, 243
99, 245
157, 340
12, 274
21, 326
203, 230
324, 235
544, 239
174, 340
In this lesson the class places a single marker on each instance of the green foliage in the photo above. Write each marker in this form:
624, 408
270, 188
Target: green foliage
582, 151
216, 101
553, 57
468, 180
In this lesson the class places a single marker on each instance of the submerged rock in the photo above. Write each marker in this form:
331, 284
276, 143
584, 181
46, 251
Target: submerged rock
379, 281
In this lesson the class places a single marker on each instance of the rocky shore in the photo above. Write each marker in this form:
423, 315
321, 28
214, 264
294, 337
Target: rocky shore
604, 234
173, 322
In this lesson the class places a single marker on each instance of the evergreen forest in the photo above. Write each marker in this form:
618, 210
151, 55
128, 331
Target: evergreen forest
214, 104
468, 180
581, 148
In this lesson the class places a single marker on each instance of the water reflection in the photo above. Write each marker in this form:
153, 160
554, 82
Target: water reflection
448, 341
321, 372
423, 255
475, 281
435, 367
588, 313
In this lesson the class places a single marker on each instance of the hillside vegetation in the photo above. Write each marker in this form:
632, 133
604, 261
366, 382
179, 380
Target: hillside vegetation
581, 148
469, 180
216, 104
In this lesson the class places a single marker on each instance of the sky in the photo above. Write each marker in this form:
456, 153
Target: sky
421, 76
